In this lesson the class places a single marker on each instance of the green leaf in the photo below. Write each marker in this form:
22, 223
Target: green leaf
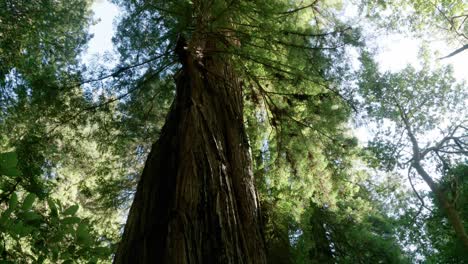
66, 255
41, 259
71, 210
52, 207
31, 216
82, 230
71, 248
13, 201
55, 253
10, 171
100, 251
28, 201
92, 261
20, 229
58, 236
68, 230
8, 159
5, 217
71, 220
82, 234
8, 163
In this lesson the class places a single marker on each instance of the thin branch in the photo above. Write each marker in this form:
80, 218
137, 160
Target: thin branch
454, 152
439, 145
409, 131
272, 66
303, 34
455, 52
462, 23
123, 69
93, 107
459, 16
449, 20
414, 190
299, 8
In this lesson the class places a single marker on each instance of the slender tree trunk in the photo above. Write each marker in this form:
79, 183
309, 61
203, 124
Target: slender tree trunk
196, 201
441, 197
452, 214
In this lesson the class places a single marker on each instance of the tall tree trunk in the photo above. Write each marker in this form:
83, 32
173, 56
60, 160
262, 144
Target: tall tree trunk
196, 201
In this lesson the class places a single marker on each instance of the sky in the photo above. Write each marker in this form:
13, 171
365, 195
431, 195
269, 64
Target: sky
105, 12
398, 51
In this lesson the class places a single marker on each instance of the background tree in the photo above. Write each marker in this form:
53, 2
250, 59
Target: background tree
414, 108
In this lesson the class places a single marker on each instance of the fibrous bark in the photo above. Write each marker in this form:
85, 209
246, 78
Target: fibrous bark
196, 201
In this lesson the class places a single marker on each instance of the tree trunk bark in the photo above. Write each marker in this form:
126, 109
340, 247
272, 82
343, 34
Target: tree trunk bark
196, 201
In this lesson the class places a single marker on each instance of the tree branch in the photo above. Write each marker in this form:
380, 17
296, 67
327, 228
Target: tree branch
416, 192
93, 107
299, 8
440, 144
464, 47
122, 69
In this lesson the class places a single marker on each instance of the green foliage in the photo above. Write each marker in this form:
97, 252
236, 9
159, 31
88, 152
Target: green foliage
446, 16
8, 164
448, 248
429, 233
338, 237
40, 35
40, 91
429, 100
35, 231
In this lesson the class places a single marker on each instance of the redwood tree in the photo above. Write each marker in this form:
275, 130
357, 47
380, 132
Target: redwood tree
196, 200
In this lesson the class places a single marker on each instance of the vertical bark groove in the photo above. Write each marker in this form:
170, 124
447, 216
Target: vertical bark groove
196, 201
